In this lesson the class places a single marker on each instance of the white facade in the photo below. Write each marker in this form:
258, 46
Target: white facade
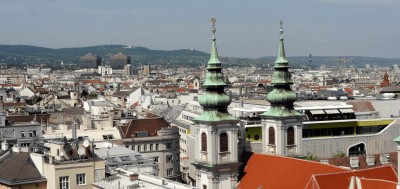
216, 168
281, 144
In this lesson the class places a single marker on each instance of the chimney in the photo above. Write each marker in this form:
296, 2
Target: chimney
134, 177
354, 162
74, 126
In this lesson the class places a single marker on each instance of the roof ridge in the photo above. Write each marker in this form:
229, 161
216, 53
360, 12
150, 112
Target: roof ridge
363, 178
315, 162
353, 171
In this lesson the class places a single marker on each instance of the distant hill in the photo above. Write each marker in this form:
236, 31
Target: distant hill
24, 54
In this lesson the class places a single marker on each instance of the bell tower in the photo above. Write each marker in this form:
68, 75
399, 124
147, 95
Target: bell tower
281, 124
216, 150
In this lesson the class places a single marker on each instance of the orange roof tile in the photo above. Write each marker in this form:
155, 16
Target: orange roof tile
342, 179
377, 183
272, 171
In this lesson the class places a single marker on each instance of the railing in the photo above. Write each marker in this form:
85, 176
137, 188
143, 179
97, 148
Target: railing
358, 153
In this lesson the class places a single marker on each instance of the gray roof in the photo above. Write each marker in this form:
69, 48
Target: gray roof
17, 168
119, 154
181, 123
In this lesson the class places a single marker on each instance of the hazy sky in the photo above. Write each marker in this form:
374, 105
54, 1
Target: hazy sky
245, 28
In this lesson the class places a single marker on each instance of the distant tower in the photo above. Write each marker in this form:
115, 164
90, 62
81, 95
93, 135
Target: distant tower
310, 60
216, 150
281, 124
385, 81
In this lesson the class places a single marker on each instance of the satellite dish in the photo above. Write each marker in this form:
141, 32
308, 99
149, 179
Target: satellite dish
81, 151
85, 143
61, 154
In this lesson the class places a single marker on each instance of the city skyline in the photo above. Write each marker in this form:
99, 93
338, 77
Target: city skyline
320, 27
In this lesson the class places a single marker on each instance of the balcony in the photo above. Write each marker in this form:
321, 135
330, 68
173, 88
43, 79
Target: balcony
204, 155
224, 157
292, 150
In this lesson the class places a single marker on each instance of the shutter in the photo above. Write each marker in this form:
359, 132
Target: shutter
203, 142
290, 136
271, 137
223, 142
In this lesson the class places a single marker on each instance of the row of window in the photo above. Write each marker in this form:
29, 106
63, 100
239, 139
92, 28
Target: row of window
289, 136
182, 141
183, 131
170, 158
183, 151
223, 142
143, 148
80, 180
30, 133
152, 147
185, 117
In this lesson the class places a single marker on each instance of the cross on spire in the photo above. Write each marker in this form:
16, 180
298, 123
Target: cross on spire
213, 21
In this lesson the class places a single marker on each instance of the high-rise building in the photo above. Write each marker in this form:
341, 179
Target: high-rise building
216, 131
146, 70
90, 61
119, 61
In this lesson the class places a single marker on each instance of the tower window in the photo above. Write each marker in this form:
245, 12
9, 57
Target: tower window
203, 142
290, 136
223, 142
271, 135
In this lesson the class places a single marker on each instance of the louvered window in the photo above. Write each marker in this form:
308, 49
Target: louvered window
203, 142
290, 136
223, 142
271, 137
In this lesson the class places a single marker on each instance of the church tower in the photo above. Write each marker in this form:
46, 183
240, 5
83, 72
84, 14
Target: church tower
281, 124
216, 150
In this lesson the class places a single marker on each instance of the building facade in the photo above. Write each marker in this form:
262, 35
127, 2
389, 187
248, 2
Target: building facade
90, 61
119, 61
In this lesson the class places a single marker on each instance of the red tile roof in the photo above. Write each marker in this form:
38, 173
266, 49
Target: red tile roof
271, 171
151, 125
342, 179
377, 183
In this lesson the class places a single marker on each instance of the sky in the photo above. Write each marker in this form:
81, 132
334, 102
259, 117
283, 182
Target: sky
248, 29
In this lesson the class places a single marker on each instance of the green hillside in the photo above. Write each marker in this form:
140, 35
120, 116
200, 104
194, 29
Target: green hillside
24, 54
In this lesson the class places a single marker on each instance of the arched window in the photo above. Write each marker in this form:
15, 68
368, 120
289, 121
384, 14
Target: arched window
203, 142
271, 135
290, 136
223, 142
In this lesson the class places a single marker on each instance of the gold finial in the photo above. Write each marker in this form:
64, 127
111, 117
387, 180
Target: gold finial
213, 20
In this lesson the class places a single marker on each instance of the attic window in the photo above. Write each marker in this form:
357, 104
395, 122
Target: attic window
108, 137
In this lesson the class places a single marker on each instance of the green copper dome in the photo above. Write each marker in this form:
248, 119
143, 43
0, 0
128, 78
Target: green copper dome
281, 97
214, 100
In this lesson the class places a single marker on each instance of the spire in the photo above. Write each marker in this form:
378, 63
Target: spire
281, 53
214, 53
281, 97
214, 100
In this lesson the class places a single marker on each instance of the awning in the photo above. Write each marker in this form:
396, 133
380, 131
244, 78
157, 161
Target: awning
314, 112
332, 111
346, 110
